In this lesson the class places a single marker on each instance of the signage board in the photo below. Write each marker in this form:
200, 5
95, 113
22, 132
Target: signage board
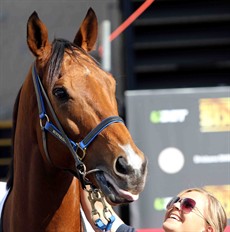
185, 135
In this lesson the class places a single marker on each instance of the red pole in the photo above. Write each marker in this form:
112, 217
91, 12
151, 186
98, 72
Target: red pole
130, 19
127, 22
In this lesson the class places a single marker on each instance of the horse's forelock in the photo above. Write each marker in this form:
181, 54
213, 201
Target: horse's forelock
59, 47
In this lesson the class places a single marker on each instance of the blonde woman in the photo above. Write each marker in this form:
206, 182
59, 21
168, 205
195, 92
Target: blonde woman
194, 210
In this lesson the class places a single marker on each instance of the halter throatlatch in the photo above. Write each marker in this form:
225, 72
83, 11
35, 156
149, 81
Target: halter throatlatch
58, 132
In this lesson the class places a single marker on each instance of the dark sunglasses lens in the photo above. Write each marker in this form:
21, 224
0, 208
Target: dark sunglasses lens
187, 205
172, 201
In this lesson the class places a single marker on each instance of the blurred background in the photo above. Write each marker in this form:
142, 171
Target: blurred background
172, 67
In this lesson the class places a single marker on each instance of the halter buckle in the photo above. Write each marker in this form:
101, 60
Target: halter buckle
43, 120
83, 150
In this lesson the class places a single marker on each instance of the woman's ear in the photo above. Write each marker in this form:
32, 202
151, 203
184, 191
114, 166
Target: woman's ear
210, 229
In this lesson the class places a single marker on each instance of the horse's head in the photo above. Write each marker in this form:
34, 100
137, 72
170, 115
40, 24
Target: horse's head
82, 95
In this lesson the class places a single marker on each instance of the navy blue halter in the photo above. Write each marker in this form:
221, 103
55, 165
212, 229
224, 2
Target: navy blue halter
58, 132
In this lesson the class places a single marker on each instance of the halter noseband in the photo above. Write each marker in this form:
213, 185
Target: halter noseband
59, 133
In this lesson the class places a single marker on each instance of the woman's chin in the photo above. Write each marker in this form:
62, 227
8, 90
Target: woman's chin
170, 226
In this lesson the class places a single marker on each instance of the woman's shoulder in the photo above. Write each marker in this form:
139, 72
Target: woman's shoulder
125, 228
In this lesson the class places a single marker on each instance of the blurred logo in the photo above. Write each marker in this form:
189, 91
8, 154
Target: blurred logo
171, 160
168, 116
160, 203
208, 159
222, 193
214, 114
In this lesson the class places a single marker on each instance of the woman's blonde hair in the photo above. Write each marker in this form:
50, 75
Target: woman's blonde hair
216, 215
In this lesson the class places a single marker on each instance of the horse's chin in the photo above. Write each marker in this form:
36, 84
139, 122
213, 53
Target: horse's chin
114, 195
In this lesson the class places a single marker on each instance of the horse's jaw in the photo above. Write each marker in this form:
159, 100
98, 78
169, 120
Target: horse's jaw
114, 195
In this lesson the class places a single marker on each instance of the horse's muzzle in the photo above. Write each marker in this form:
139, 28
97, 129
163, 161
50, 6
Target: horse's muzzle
125, 186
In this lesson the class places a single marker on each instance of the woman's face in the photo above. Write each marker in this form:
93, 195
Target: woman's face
178, 221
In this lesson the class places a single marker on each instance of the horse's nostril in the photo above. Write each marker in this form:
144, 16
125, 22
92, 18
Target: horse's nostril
122, 166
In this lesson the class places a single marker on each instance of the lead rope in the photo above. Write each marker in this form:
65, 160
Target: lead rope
95, 195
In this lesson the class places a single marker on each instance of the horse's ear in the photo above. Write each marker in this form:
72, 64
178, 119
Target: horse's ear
37, 35
86, 37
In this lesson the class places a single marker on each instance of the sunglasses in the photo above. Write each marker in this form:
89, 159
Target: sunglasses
186, 205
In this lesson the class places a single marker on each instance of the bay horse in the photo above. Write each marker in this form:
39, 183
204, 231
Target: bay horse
67, 134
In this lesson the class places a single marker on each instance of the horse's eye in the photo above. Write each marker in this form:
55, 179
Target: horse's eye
60, 93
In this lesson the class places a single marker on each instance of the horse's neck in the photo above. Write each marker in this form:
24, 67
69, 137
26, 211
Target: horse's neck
45, 205
42, 198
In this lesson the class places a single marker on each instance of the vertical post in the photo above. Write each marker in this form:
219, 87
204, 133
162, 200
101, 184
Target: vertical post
106, 45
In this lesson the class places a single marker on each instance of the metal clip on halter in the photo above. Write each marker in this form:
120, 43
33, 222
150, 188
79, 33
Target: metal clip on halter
94, 196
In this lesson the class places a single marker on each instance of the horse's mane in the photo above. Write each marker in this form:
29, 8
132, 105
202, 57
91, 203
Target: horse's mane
11, 169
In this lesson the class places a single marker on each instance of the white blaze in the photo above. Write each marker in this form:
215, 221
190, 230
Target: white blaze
132, 158
87, 71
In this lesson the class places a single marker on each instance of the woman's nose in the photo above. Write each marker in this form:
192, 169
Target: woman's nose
177, 205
